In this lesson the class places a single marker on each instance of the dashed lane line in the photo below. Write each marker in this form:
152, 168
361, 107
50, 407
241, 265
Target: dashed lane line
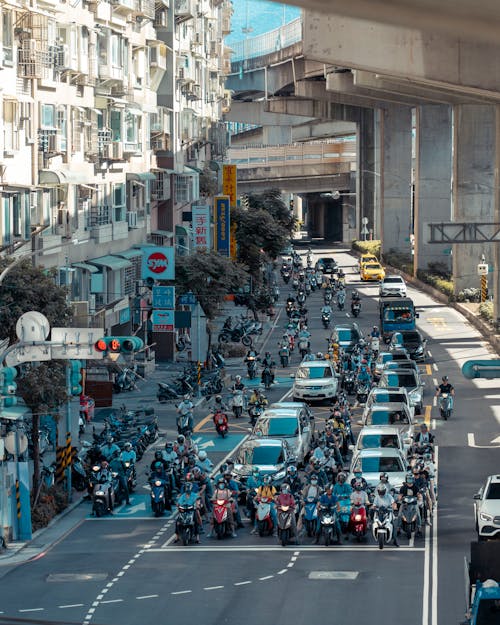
71, 605
148, 597
213, 588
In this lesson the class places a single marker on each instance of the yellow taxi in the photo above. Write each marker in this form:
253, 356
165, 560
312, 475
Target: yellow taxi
367, 258
372, 271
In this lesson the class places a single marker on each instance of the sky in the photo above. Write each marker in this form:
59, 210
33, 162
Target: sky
260, 15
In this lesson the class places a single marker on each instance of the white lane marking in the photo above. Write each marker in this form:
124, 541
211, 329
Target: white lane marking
246, 549
290, 564
262, 579
294, 558
99, 597
147, 597
435, 367
282, 571
120, 573
435, 550
112, 601
105, 590
213, 587
429, 352
71, 605
32, 610
181, 592
126, 566
433, 426
242, 583
345, 575
296, 553
434, 401
109, 585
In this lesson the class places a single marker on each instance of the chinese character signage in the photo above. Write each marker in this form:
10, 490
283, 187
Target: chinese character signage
163, 320
229, 183
163, 297
222, 224
158, 263
201, 227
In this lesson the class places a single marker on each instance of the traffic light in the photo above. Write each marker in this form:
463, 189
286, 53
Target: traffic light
291, 204
8, 386
75, 377
119, 344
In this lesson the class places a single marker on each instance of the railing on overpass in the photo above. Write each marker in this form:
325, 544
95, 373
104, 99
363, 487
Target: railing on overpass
269, 42
295, 153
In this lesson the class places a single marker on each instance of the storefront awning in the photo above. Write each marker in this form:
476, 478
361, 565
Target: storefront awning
192, 170
13, 413
85, 267
181, 231
61, 176
133, 252
141, 176
111, 262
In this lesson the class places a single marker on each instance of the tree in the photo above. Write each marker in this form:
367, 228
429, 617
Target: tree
28, 288
210, 276
43, 389
272, 202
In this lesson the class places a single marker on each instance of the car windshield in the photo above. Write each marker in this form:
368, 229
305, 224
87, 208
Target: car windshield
400, 364
493, 491
347, 335
369, 259
401, 315
411, 337
261, 455
389, 398
374, 441
488, 612
386, 417
278, 427
393, 280
327, 261
399, 356
401, 379
313, 373
373, 266
379, 464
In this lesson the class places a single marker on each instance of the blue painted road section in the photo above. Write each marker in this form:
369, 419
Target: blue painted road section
139, 508
278, 381
215, 443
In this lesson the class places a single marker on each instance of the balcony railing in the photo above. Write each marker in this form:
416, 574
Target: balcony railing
269, 42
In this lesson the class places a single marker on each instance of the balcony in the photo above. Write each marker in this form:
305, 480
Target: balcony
145, 8
123, 6
184, 10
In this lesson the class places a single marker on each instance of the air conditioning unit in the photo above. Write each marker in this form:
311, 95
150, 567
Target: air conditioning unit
114, 150
132, 219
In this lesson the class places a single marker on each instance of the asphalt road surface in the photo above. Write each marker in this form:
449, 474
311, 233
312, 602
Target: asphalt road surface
126, 570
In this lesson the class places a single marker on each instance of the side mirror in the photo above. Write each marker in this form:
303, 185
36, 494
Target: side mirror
417, 315
477, 496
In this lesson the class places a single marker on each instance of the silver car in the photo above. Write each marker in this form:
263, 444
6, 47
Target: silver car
293, 425
410, 381
387, 396
395, 415
271, 456
373, 462
385, 437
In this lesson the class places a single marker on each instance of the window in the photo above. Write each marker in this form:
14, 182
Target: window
115, 121
7, 43
119, 202
47, 116
131, 125
61, 127
10, 132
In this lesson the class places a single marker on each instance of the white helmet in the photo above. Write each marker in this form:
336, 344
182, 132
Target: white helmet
202, 455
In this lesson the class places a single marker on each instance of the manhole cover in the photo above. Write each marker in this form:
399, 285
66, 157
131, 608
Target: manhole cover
346, 575
76, 577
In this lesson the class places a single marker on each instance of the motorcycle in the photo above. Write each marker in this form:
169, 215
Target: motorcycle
362, 391
445, 405
222, 527
235, 336
382, 526
341, 300
356, 308
303, 347
349, 382
328, 525
358, 522
158, 496
254, 412
284, 354
166, 392
78, 475
285, 514
345, 513
301, 298
310, 516
103, 492
130, 475
267, 377
221, 426
325, 319
409, 516
375, 346
251, 367
265, 525
286, 276
237, 402
185, 424
186, 524
327, 297
125, 381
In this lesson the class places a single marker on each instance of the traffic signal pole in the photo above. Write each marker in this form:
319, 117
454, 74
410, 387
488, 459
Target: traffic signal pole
68, 430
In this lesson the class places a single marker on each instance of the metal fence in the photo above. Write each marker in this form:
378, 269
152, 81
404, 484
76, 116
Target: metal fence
269, 42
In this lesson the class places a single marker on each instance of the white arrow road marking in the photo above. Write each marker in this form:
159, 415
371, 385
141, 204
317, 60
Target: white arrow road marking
471, 441
207, 444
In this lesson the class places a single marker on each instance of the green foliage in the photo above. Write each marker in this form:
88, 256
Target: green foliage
27, 288
43, 387
441, 284
486, 311
210, 277
208, 182
367, 247
400, 261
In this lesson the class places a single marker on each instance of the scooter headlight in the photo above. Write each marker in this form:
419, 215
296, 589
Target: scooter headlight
99, 493
158, 483
358, 517
95, 468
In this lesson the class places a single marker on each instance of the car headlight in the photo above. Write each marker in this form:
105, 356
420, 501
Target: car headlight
280, 475
485, 517
416, 395
419, 349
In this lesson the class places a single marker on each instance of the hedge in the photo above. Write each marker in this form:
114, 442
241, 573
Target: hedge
367, 247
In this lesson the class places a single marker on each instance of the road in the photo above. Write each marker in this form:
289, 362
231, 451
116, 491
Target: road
125, 569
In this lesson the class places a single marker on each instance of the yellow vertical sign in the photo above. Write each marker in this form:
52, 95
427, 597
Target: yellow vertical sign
230, 188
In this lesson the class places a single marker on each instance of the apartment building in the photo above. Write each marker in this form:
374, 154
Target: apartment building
109, 112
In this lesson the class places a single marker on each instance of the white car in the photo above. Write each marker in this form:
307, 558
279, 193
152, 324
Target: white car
409, 380
315, 380
373, 462
394, 415
385, 437
387, 396
392, 286
487, 509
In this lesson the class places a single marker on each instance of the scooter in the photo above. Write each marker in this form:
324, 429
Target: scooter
358, 522
362, 391
220, 420
345, 513
254, 412
159, 496
348, 382
341, 300
185, 424
251, 367
186, 524
382, 526
222, 527
166, 392
375, 346
265, 525
303, 347
356, 308
130, 475
328, 525
267, 377
125, 381
325, 319
310, 516
285, 514
445, 405
409, 516
103, 492
284, 354
237, 402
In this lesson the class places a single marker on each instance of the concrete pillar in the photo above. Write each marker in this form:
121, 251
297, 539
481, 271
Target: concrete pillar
396, 162
433, 169
276, 135
475, 160
368, 182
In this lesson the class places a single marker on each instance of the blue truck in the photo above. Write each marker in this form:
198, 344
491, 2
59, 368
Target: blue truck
482, 584
396, 314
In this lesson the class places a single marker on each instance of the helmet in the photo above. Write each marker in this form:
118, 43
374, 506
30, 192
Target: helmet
109, 439
158, 455
384, 477
218, 398
169, 445
104, 464
375, 327
188, 487
355, 293
381, 489
237, 378
445, 378
128, 446
314, 480
158, 466
285, 488
358, 485
202, 455
189, 477
228, 476
427, 457
221, 483
319, 355
187, 397
329, 488
267, 479
292, 471
268, 354
409, 478
342, 477
256, 472
181, 439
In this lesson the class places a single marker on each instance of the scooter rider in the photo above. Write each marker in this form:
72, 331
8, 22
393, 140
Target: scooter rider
158, 458
267, 361
446, 387
268, 491
358, 478
293, 480
235, 491
218, 405
409, 489
169, 454
329, 500
109, 448
185, 409
359, 497
204, 462
342, 489
375, 333
383, 499
128, 454
190, 498
286, 499
326, 309
116, 466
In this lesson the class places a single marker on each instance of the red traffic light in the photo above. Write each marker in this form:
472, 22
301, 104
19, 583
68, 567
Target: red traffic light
101, 345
